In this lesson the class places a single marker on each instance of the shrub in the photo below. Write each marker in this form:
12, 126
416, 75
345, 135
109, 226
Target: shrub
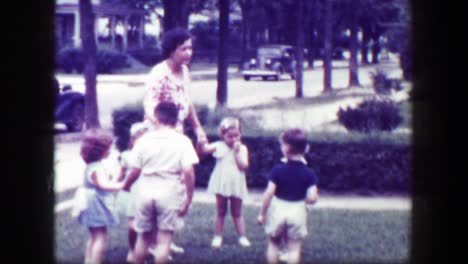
384, 85
69, 59
371, 115
122, 120
365, 167
147, 56
107, 61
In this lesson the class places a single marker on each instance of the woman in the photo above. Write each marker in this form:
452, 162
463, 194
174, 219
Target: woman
169, 80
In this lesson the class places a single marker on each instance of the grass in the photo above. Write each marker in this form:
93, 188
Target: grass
335, 236
307, 110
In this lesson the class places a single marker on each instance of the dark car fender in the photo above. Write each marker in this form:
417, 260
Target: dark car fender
65, 105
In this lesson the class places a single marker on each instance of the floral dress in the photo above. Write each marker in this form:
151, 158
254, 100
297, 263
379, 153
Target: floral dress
164, 86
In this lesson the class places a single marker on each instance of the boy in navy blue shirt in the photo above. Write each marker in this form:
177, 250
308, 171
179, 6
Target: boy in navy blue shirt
291, 185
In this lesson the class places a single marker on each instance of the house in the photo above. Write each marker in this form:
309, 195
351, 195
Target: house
132, 21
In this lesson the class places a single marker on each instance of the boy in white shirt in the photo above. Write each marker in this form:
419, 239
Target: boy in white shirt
164, 160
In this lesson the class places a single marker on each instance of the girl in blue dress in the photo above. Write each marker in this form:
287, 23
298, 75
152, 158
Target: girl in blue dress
96, 201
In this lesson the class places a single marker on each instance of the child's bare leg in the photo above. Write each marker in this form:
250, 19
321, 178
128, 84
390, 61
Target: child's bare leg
89, 247
163, 242
99, 235
294, 250
221, 209
236, 213
273, 247
141, 246
132, 236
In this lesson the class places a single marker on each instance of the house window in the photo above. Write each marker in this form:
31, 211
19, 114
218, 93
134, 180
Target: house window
64, 30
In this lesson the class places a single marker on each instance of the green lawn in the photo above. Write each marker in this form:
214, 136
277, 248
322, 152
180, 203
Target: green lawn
335, 236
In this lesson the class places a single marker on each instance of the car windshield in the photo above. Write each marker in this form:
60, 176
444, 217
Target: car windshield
269, 52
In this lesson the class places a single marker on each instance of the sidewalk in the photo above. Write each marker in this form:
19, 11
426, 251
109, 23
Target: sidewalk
69, 168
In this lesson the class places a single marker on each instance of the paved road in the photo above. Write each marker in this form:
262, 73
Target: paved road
115, 91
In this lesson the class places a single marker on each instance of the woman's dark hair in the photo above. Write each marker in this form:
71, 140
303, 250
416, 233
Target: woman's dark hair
172, 39
296, 139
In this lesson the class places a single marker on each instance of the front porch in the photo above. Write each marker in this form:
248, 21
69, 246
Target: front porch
125, 27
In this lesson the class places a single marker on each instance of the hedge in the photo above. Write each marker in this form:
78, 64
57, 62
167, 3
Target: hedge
364, 167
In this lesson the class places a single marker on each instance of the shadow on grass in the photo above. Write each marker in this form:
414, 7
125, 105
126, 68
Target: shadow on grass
335, 236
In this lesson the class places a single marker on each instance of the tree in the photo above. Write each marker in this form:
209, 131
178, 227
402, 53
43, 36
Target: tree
299, 47
176, 13
222, 89
327, 62
353, 49
88, 40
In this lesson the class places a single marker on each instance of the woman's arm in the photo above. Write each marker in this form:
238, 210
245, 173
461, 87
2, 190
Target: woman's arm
241, 155
206, 148
267, 196
195, 122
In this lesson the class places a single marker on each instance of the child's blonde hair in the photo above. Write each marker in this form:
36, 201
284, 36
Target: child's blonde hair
95, 144
229, 123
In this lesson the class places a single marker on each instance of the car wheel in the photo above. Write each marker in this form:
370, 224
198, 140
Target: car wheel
246, 77
293, 76
77, 117
276, 77
264, 78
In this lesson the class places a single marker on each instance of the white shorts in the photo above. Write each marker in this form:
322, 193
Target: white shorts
286, 218
157, 207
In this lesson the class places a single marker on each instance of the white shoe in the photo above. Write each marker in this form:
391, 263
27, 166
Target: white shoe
176, 249
152, 251
244, 242
217, 242
130, 258
283, 256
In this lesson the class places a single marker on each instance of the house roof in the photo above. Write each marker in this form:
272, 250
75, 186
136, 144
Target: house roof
98, 7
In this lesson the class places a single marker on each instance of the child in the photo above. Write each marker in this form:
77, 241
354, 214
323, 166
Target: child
136, 131
163, 160
291, 185
97, 210
228, 181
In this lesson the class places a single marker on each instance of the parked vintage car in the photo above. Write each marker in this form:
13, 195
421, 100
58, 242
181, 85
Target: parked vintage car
69, 108
272, 61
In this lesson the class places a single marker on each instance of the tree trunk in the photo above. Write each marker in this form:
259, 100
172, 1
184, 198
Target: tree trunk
299, 48
89, 50
222, 91
375, 49
245, 6
176, 13
327, 61
353, 46
365, 46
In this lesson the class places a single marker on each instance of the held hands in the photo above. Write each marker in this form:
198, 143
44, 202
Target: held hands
201, 136
261, 219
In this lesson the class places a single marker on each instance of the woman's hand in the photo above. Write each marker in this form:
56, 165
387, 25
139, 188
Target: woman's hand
201, 135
